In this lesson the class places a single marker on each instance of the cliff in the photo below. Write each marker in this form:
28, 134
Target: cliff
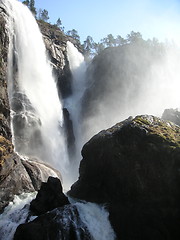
55, 41
4, 102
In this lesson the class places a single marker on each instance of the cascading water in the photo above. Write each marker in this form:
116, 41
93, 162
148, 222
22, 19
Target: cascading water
96, 219
73, 103
32, 87
27, 56
14, 214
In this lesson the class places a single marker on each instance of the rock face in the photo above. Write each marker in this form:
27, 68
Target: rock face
70, 138
18, 176
118, 74
172, 115
124, 81
134, 168
49, 196
4, 102
55, 42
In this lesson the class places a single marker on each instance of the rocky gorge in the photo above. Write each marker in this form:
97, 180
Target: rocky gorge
131, 168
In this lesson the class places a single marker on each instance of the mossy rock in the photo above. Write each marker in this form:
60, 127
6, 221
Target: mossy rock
164, 131
6, 149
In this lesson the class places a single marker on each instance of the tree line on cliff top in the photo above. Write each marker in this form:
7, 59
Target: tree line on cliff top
89, 46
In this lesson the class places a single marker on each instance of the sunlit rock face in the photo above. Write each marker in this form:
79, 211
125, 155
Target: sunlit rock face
134, 168
55, 41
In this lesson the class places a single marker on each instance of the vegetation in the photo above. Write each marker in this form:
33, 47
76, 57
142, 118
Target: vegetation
74, 34
89, 47
92, 48
43, 15
161, 131
31, 6
6, 149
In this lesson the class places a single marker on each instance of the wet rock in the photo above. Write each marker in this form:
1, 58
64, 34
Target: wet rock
18, 176
39, 172
68, 125
14, 180
134, 168
49, 196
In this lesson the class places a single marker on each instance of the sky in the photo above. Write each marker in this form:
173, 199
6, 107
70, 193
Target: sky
98, 18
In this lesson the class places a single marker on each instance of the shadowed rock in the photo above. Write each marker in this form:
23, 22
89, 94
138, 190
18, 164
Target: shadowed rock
134, 168
49, 196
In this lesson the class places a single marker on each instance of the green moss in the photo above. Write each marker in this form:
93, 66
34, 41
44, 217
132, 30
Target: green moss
141, 120
6, 148
160, 130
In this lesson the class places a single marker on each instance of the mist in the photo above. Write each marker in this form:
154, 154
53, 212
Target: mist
134, 79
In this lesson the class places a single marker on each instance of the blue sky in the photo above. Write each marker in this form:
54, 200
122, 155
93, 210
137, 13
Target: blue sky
98, 18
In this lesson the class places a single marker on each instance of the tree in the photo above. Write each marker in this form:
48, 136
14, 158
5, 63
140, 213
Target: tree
43, 15
74, 34
32, 7
88, 46
59, 23
120, 41
134, 37
99, 47
109, 41
26, 3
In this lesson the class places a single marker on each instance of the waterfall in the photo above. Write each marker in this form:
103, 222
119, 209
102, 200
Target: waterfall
36, 106
73, 102
29, 66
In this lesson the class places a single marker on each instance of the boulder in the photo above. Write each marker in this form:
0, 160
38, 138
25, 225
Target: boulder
133, 167
49, 196
61, 223
39, 171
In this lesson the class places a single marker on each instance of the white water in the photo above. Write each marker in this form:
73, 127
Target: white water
73, 103
36, 80
95, 217
14, 214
